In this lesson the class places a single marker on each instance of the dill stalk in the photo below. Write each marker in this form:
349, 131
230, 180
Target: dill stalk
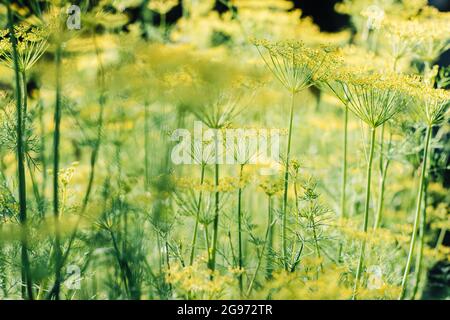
417, 214
240, 257
56, 143
263, 249
197, 218
366, 212
344, 165
26, 272
212, 263
286, 183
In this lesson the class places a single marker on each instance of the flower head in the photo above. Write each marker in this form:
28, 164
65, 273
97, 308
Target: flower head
296, 66
373, 97
430, 105
31, 45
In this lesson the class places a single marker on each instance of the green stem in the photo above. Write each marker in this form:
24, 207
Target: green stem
261, 255
417, 214
440, 238
26, 272
423, 221
366, 213
344, 165
56, 143
384, 166
146, 149
23, 78
144, 15
269, 267
197, 217
419, 258
102, 102
43, 158
379, 213
94, 154
212, 264
208, 251
344, 175
240, 258
286, 183
316, 245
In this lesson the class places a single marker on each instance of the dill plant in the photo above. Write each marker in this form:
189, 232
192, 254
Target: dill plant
373, 98
430, 107
20, 52
139, 226
296, 67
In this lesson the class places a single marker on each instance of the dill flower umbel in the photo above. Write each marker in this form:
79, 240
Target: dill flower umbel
32, 43
430, 105
419, 37
373, 97
296, 66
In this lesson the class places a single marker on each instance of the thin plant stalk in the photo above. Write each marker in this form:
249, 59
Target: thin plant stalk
344, 165
440, 238
26, 272
344, 174
286, 183
366, 212
240, 257
146, 149
144, 14
197, 217
212, 261
97, 144
93, 160
23, 79
379, 213
417, 213
212, 264
56, 144
269, 268
208, 248
384, 167
43, 159
419, 258
263, 249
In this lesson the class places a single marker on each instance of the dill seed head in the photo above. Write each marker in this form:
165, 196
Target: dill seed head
31, 45
373, 97
422, 37
296, 66
430, 105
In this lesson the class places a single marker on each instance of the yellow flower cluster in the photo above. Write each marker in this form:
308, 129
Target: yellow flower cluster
195, 282
65, 175
31, 45
162, 6
295, 65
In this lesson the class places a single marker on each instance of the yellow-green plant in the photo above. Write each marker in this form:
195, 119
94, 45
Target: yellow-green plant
430, 106
374, 98
296, 67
